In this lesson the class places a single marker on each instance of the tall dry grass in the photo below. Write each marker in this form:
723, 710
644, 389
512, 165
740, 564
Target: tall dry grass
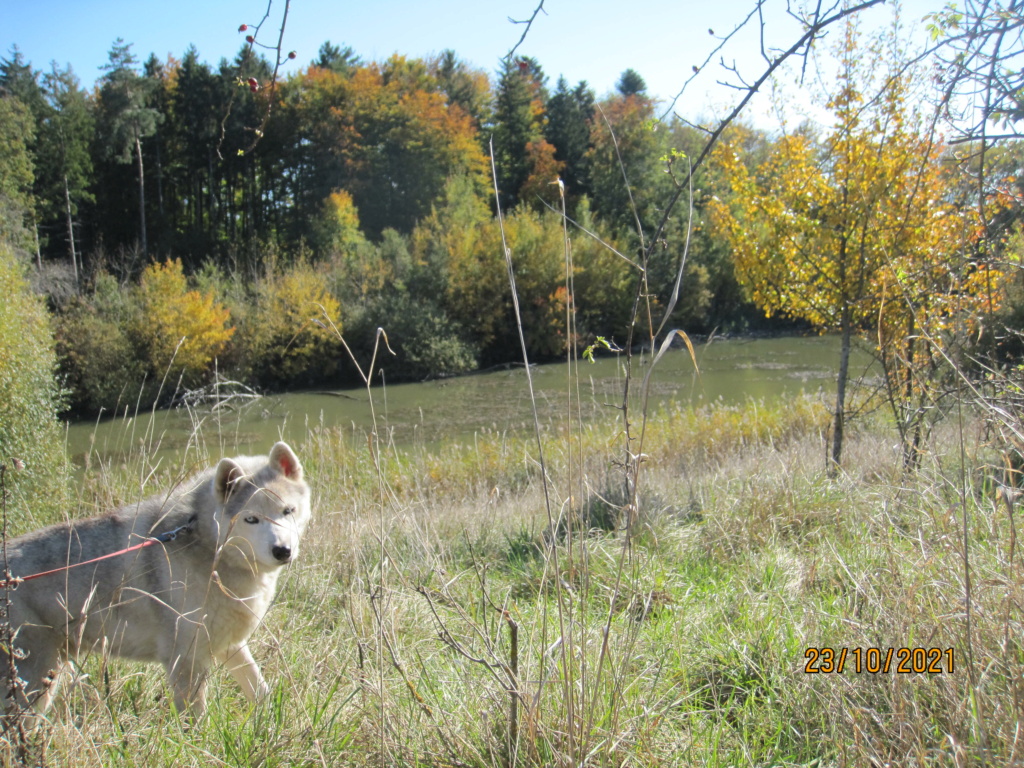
392, 642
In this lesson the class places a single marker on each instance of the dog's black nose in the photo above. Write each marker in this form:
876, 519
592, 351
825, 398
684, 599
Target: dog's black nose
282, 554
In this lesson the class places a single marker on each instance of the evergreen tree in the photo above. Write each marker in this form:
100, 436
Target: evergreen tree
631, 84
468, 88
337, 59
18, 79
569, 114
126, 118
263, 179
16, 172
519, 120
159, 151
65, 168
198, 104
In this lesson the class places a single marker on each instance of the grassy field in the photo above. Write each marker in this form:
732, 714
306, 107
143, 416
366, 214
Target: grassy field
438, 617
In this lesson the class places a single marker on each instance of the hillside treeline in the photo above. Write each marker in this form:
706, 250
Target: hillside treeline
177, 199
186, 219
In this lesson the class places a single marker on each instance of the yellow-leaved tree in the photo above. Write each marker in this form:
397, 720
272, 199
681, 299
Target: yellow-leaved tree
856, 233
183, 330
285, 333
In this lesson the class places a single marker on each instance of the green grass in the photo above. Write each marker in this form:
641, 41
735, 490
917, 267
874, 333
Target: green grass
680, 644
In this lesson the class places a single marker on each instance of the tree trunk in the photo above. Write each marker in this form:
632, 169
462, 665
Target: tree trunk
71, 230
160, 188
142, 196
211, 231
39, 252
911, 415
245, 181
839, 419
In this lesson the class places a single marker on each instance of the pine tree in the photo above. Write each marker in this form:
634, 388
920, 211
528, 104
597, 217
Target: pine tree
18, 79
65, 177
337, 59
631, 84
127, 120
261, 176
569, 114
518, 117
197, 104
158, 152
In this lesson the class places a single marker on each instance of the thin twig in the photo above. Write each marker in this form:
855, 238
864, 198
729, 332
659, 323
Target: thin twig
529, 23
565, 652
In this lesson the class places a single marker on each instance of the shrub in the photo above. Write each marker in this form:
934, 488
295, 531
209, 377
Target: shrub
182, 330
101, 363
29, 399
278, 334
426, 342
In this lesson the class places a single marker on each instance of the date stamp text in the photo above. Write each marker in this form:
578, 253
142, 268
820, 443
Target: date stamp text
903, 661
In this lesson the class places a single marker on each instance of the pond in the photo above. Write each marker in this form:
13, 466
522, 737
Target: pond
429, 413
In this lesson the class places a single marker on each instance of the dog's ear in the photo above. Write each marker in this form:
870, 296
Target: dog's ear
284, 459
228, 474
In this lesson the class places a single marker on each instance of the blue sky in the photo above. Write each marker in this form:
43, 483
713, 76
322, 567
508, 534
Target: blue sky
593, 40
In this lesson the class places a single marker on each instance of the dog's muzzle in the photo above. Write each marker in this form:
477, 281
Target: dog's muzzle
282, 554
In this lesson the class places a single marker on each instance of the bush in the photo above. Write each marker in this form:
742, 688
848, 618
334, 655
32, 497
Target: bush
100, 362
278, 335
117, 344
29, 400
182, 330
425, 341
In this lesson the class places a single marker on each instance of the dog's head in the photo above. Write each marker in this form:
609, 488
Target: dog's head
263, 507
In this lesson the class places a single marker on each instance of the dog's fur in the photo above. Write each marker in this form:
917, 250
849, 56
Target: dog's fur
189, 603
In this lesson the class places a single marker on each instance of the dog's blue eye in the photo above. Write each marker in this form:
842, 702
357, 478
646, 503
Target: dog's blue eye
252, 519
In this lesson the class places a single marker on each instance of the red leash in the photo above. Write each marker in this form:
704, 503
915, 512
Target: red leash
163, 538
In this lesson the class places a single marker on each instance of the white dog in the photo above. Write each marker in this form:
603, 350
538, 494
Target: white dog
182, 579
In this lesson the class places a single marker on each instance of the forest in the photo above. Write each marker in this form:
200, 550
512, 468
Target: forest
185, 219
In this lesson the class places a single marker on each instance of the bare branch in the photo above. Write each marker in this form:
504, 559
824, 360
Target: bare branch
981, 49
717, 49
813, 31
270, 87
529, 23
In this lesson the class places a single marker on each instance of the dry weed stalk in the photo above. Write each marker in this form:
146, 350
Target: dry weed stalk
16, 714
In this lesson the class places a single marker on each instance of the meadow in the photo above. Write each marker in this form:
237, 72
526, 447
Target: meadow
440, 615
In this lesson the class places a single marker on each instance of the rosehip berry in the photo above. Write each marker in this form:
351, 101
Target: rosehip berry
291, 54
243, 28
253, 83
250, 39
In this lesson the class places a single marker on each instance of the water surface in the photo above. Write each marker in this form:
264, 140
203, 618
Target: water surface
428, 413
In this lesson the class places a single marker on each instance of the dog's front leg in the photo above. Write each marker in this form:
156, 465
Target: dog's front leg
246, 672
189, 685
